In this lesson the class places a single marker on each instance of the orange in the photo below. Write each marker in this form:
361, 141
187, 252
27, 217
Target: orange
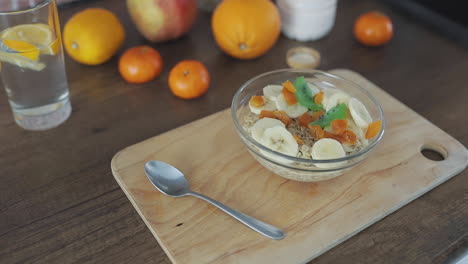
189, 79
373, 29
93, 36
140, 64
246, 29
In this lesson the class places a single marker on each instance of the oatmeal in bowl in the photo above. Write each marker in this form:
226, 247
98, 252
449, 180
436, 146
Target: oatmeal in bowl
307, 125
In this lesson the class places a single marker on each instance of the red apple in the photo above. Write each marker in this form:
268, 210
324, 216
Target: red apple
162, 20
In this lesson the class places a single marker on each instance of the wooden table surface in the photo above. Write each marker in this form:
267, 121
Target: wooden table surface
59, 202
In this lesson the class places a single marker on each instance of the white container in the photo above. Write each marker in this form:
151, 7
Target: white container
307, 20
309, 5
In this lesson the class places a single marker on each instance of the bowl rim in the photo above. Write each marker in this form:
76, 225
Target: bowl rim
246, 135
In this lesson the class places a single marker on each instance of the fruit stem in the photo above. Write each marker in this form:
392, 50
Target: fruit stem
75, 45
242, 46
186, 73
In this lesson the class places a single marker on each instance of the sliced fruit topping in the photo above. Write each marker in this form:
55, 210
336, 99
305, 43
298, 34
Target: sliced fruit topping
359, 113
304, 94
360, 133
279, 115
298, 139
349, 137
289, 97
337, 112
283, 117
280, 139
305, 119
271, 92
317, 114
373, 129
333, 136
334, 97
257, 101
316, 132
293, 111
259, 127
266, 113
318, 98
346, 137
327, 148
339, 126
288, 85
313, 88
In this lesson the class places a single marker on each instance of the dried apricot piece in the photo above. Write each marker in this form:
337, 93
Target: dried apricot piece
316, 115
318, 98
298, 139
257, 101
289, 86
266, 113
373, 129
339, 126
283, 117
349, 137
316, 132
305, 119
289, 97
333, 136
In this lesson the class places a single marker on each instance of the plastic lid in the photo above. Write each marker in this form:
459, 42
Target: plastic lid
303, 58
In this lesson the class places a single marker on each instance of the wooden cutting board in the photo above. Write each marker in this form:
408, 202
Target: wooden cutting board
316, 216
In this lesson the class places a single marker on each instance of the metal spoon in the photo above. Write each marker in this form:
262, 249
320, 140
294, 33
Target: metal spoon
170, 181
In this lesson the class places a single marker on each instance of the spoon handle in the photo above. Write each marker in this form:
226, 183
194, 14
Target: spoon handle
257, 225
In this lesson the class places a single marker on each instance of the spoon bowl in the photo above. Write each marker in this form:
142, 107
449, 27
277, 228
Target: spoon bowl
167, 179
170, 181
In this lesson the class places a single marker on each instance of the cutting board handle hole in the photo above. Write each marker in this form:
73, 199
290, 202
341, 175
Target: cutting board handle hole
433, 152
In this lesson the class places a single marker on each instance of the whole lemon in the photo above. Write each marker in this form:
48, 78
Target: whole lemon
93, 36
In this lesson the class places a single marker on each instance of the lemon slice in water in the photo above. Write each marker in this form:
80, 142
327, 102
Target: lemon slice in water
21, 45
39, 35
22, 48
21, 54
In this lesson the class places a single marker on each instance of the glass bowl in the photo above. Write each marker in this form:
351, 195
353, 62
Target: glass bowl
294, 168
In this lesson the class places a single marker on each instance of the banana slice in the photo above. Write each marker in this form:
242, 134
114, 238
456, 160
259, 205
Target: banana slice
293, 111
359, 113
258, 129
327, 93
334, 97
326, 149
280, 139
314, 88
269, 105
271, 92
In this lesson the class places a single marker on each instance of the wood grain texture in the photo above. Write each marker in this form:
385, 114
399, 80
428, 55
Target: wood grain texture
59, 202
316, 216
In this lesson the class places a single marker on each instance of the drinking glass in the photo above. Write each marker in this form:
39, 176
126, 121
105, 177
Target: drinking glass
32, 64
